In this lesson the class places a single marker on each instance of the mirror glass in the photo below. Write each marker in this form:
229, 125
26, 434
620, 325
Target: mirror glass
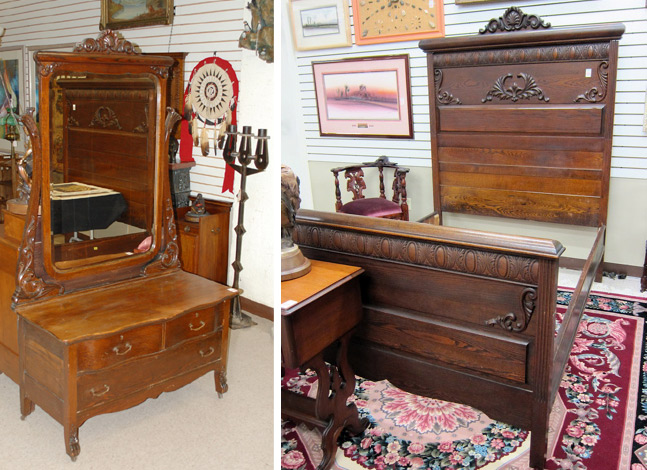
101, 167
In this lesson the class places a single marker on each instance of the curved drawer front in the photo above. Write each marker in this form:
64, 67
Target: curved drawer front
94, 388
100, 353
193, 324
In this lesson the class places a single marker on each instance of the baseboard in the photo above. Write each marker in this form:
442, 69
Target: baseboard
574, 263
257, 309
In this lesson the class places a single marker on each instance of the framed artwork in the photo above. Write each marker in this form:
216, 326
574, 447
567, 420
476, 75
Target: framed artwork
380, 21
122, 14
12, 93
364, 97
33, 79
320, 24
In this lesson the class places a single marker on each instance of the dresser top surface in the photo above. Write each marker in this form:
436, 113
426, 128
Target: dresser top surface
117, 307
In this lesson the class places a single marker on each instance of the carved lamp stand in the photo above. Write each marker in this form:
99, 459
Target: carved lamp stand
245, 157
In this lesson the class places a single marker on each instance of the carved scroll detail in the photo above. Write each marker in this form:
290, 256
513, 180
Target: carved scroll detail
421, 253
510, 322
108, 42
161, 72
106, 118
514, 20
594, 95
170, 258
569, 52
514, 93
28, 285
443, 97
44, 71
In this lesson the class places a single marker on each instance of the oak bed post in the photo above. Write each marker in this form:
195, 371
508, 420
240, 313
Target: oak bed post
542, 364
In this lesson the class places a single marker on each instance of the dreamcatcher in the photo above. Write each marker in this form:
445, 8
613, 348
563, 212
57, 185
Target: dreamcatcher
210, 99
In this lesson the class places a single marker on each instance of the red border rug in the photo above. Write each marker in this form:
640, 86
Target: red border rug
598, 422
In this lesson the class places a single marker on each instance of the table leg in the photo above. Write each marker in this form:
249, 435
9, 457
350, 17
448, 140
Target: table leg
335, 386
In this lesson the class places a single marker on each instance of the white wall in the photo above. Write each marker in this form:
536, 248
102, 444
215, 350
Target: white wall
627, 228
199, 28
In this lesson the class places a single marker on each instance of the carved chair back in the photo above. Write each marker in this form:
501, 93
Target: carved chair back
396, 208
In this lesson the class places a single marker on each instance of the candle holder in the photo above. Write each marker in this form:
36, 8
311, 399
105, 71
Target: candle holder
243, 155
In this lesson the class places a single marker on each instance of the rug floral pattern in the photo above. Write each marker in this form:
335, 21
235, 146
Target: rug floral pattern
411, 432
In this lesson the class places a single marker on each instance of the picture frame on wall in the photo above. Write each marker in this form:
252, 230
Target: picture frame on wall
382, 21
12, 73
364, 97
318, 24
123, 14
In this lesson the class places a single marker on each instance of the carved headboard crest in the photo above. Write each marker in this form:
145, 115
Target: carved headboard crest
108, 42
514, 20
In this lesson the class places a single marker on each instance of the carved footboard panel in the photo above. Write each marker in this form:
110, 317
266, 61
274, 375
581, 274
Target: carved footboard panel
454, 314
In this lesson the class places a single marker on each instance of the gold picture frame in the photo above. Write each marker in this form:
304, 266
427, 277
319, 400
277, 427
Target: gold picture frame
123, 14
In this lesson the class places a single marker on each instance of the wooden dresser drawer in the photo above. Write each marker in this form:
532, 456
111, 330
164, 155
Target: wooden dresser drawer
193, 324
100, 353
95, 388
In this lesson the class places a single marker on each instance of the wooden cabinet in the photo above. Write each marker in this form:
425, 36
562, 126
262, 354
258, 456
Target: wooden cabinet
90, 353
204, 245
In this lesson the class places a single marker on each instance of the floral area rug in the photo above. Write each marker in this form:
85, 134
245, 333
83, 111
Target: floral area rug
598, 422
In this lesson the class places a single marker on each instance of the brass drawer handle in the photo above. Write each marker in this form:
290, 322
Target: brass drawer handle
187, 228
126, 349
196, 328
106, 389
209, 352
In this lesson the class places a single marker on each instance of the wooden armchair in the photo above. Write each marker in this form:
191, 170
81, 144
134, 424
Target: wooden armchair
381, 207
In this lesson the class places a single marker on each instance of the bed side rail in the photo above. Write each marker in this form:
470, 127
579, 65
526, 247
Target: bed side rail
571, 321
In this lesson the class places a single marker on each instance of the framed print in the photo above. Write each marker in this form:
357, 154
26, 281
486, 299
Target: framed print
364, 97
320, 24
122, 14
12, 93
33, 79
380, 21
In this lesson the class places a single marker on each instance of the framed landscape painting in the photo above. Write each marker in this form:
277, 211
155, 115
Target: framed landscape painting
318, 24
364, 97
122, 14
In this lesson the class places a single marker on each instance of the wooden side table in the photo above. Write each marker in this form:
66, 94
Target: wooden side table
318, 310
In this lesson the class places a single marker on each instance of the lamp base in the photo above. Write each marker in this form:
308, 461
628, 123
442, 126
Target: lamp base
293, 263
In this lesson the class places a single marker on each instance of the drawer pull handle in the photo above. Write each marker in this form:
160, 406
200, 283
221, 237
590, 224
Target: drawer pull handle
209, 352
187, 228
126, 349
105, 390
196, 328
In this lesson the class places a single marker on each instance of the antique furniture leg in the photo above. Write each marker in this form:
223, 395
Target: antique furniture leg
72, 446
26, 406
221, 382
643, 278
333, 390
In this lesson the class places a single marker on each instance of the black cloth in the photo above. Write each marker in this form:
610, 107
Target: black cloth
91, 212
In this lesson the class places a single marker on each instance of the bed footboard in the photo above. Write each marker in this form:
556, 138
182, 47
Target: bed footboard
452, 314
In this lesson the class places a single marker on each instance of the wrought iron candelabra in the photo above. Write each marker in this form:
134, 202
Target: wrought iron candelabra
245, 158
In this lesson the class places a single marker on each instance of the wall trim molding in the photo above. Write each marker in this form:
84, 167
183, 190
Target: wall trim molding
256, 308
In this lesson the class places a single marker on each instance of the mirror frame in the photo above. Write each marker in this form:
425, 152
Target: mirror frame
110, 56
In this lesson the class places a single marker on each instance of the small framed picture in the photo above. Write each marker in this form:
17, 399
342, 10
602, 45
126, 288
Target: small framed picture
320, 24
12, 97
122, 14
382, 21
364, 97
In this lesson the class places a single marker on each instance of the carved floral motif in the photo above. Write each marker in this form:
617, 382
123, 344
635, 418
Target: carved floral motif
510, 322
421, 253
443, 97
170, 258
514, 93
514, 20
108, 42
594, 95
106, 118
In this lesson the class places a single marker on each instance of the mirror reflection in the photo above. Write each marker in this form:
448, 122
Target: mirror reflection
102, 166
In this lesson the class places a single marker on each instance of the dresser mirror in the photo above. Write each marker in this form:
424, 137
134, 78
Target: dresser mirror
101, 167
99, 207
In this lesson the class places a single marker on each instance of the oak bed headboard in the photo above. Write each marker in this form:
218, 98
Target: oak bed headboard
522, 121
